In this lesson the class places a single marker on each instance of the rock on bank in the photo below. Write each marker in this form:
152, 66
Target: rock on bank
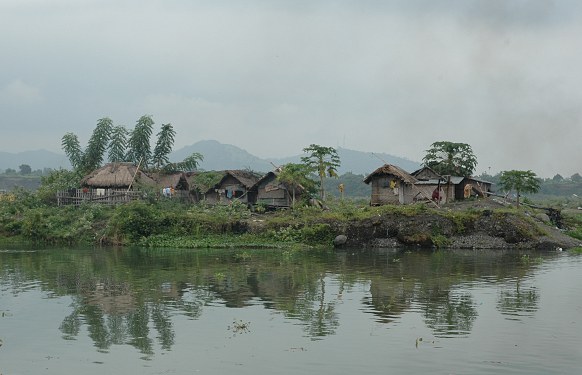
485, 229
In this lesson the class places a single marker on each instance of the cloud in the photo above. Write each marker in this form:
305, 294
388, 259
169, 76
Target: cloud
19, 94
275, 76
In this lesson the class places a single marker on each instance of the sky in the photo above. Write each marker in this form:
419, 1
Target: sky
274, 76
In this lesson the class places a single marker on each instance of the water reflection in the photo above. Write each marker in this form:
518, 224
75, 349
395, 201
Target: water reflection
130, 297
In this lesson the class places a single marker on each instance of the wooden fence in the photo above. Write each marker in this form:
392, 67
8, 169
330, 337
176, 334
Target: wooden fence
110, 196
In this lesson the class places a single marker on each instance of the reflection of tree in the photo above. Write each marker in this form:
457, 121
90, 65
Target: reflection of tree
313, 309
163, 325
120, 328
448, 313
129, 297
518, 301
389, 298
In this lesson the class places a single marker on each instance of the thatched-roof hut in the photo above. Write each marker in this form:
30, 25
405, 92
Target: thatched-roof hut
111, 184
118, 176
176, 183
273, 193
234, 185
391, 185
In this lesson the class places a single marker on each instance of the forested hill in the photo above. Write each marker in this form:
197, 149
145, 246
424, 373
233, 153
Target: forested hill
218, 156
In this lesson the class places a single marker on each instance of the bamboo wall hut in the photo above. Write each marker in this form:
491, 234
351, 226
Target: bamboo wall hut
431, 185
235, 185
391, 185
111, 184
273, 193
173, 185
468, 186
452, 187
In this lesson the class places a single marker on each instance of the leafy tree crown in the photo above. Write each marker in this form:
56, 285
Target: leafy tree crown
449, 158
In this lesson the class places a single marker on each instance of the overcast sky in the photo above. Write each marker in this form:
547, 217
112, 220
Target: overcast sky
273, 76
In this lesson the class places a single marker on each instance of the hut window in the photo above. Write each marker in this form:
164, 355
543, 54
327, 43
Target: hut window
385, 182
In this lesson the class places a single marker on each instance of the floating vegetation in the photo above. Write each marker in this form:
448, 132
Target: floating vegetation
526, 259
239, 327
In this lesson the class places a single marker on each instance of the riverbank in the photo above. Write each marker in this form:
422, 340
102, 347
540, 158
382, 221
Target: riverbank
478, 224
473, 225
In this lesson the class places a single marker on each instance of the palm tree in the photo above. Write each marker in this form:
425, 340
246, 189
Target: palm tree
322, 160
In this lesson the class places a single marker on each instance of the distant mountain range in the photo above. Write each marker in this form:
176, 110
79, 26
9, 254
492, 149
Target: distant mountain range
219, 156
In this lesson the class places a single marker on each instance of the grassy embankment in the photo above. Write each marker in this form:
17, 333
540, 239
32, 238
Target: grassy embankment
170, 224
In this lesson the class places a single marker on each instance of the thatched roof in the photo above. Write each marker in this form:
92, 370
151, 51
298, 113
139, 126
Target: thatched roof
175, 180
246, 178
115, 175
273, 175
389, 169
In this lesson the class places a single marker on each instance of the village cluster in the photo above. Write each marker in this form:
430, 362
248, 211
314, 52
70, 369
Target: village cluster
122, 182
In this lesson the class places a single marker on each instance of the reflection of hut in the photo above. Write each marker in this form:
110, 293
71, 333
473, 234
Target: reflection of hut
176, 182
273, 193
234, 185
391, 185
113, 183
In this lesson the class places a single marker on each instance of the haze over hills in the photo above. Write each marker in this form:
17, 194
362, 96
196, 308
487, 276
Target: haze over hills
219, 156
38, 159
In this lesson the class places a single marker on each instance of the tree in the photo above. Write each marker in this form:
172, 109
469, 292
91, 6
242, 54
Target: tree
322, 160
25, 169
139, 141
164, 146
520, 181
92, 157
295, 176
576, 177
136, 149
188, 164
449, 158
558, 178
117, 144
72, 148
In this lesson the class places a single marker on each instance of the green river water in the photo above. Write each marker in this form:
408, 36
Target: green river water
171, 311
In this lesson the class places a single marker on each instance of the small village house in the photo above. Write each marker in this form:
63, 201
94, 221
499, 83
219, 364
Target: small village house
391, 185
111, 184
235, 185
173, 185
273, 193
452, 188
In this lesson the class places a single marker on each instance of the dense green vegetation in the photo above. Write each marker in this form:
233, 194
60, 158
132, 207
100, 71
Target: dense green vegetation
167, 223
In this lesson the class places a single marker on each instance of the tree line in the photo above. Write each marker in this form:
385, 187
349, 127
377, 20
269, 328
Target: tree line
118, 144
